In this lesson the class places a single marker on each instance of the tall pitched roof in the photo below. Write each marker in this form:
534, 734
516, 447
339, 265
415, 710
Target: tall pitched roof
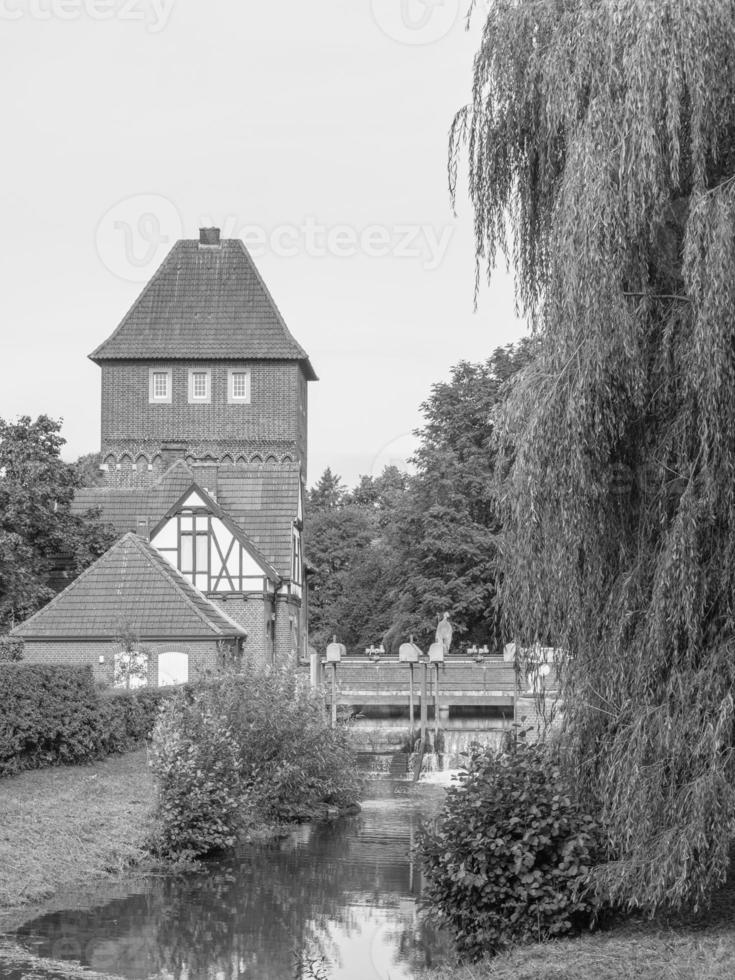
262, 500
130, 587
205, 302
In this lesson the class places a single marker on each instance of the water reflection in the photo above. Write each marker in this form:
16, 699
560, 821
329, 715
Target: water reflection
334, 901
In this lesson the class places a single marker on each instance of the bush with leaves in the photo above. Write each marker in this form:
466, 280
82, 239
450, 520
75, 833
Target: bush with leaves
48, 716
251, 747
197, 767
506, 861
11, 648
292, 760
54, 714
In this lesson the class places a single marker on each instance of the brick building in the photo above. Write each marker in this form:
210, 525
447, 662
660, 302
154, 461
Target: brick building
177, 632
204, 445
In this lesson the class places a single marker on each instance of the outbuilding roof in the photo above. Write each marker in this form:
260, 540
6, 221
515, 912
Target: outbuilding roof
206, 301
130, 588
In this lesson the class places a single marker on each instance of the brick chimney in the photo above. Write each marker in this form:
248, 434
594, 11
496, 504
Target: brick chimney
209, 236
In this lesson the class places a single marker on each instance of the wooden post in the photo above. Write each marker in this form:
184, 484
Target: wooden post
334, 695
410, 705
424, 705
436, 711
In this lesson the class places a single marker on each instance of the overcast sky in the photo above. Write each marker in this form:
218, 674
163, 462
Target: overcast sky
316, 131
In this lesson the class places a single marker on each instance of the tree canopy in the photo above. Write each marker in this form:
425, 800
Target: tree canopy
599, 142
398, 549
37, 528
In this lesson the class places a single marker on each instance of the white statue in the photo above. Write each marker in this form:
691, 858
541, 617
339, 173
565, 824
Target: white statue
444, 632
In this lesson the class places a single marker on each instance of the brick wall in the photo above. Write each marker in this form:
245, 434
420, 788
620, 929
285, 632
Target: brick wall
252, 613
204, 656
273, 423
289, 629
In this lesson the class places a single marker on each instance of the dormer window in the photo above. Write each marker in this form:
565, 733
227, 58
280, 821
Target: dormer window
200, 385
238, 386
159, 385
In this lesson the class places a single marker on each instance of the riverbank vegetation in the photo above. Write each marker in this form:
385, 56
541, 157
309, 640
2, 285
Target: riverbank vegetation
245, 750
69, 825
244, 754
508, 858
643, 953
600, 143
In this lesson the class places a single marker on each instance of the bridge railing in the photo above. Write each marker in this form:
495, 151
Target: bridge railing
460, 681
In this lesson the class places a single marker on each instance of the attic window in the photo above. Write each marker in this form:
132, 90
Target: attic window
238, 386
159, 385
200, 385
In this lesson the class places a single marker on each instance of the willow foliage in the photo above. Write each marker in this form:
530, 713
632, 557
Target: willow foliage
601, 151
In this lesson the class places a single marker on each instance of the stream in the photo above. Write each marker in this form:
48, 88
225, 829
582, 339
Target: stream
332, 901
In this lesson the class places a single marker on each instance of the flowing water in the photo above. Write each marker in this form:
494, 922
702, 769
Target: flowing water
333, 901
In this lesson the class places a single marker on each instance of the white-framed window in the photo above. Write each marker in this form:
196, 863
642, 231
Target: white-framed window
238, 386
200, 385
159, 385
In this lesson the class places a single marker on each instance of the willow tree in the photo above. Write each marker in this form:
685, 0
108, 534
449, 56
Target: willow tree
600, 144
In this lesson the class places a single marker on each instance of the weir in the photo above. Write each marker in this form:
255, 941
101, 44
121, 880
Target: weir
458, 701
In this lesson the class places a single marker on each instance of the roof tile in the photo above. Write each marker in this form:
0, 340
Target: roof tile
130, 587
204, 302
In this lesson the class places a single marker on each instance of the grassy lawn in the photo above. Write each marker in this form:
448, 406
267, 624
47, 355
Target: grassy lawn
693, 947
63, 827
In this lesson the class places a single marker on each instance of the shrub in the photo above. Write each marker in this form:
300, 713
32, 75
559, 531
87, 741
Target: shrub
11, 648
197, 767
292, 760
253, 746
506, 860
51, 715
129, 717
48, 715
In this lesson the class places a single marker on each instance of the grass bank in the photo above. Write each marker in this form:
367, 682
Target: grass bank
664, 955
687, 947
64, 827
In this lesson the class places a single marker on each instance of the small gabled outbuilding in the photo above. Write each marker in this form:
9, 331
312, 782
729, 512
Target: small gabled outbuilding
135, 619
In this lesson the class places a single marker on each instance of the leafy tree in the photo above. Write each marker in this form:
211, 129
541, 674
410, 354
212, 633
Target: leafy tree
88, 468
328, 492
398, 549
445, 527
336, 537
36, 523
601, 157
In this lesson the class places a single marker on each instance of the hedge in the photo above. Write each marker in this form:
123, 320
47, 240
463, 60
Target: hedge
54, 715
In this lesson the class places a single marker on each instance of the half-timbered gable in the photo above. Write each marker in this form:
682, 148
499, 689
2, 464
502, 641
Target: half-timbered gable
198, 538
